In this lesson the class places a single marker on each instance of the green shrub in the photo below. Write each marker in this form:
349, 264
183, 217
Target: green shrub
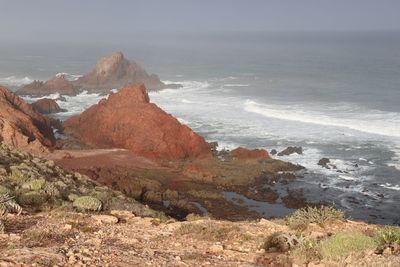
388, 236
307, 250
342, 245
32, 198
317, 215
87, 203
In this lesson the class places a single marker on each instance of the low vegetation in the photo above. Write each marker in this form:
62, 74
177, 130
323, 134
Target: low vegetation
388, 238
319, 215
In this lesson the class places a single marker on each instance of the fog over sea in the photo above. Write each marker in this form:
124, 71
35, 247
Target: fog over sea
337, 95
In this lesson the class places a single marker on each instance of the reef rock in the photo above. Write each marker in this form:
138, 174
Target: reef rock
245, 154
291, 150
58, 84
115, 71
21, 126
128, 120
47, 106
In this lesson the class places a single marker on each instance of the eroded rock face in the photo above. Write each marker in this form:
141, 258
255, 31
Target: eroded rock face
128, 120
58, 84
21, 126
245, 154
47, 106
115, 71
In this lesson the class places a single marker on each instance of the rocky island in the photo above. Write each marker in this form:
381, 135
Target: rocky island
111, 72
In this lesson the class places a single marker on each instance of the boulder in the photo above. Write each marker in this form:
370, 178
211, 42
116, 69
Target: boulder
58, 84
273, 152
291, 150
21, 126
47, 106
128, 120
115, 71
324, 162
245, 154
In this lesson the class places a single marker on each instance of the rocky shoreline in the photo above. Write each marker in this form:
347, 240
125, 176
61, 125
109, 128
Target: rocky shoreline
125, 164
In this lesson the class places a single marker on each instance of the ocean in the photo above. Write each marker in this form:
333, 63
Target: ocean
337, 95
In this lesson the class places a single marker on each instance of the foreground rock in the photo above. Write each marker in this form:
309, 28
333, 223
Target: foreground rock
47, 106
23, 127
74, 239
128, 120
58, 84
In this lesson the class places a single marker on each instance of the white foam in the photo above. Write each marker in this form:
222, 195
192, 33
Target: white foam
186, 85
236, 85
391, 186
31, 99
68, 76
379, 122
15, 81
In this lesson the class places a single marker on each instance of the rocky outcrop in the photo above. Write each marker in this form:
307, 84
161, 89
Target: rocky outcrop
47, 106
23, 127
128, 120
291, 150
111, 72
324, 162
245, 154
115, 71
58, 84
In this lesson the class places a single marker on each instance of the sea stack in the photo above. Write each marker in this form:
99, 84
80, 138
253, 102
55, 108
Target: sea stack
115, 71
128, 120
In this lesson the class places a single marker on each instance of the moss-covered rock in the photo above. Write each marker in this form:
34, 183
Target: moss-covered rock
88, 203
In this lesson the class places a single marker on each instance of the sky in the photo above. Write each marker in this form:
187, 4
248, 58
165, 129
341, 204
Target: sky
91, 19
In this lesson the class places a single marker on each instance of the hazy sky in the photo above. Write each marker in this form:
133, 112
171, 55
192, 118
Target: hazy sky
75, 19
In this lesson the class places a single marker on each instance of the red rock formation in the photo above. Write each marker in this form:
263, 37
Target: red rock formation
114, 71
21, 126
128, 120
245, 154
46, 106
58, 84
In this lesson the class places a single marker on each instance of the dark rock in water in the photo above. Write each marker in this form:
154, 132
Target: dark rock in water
47, 106
62, 98
58, 84
291, 150
245, 154
273, 152
324, 162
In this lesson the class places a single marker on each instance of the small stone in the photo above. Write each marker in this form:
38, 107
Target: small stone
216, 248
177, 258
122, 214
67, 227
105, 219
387, 251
